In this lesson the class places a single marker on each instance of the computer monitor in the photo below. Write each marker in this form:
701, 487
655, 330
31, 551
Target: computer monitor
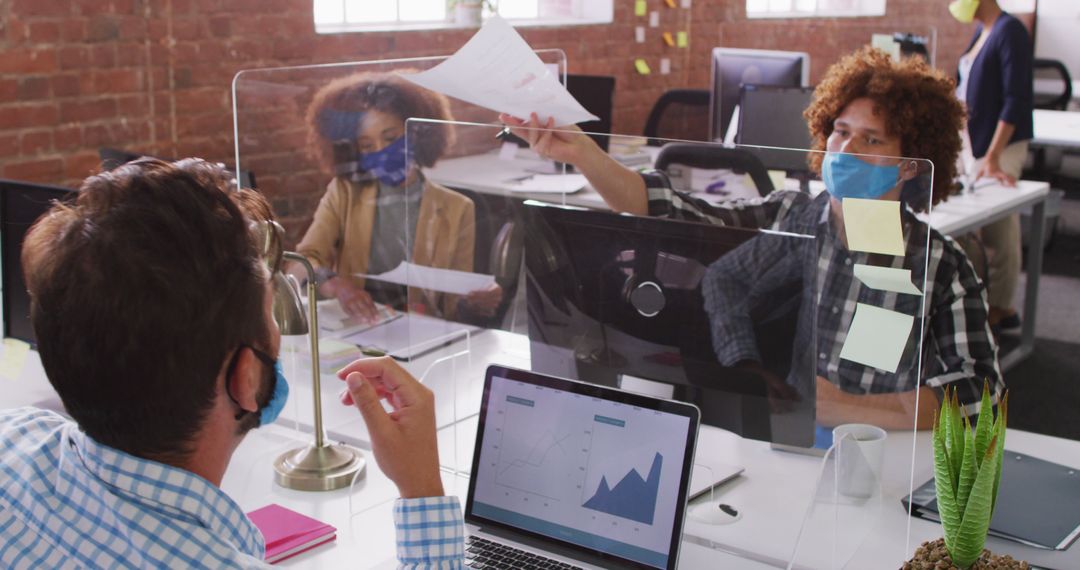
597, 94
773, 116
21, 204
617, 300
114, 157
732, 68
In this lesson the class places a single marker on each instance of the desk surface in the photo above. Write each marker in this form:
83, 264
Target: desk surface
773, 496
1057, 128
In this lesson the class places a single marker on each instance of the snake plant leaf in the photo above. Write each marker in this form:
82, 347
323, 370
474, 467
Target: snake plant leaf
971, 536
999, 436
969, 469
984, 427
956, 432
945, 485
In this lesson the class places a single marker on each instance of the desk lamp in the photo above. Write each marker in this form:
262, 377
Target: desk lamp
319, 466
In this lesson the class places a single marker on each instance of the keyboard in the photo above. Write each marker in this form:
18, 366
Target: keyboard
483, 554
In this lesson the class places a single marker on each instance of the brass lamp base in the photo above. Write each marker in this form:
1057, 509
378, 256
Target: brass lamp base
314, 468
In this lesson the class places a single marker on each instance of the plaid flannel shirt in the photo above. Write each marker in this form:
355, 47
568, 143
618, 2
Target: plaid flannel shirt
67, 501
958, 347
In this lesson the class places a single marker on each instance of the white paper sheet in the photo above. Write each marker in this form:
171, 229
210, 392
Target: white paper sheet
550, 184
877, 337
411, 336
434, 279
496, 69
886, 279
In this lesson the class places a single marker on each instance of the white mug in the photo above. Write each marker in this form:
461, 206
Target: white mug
860, 450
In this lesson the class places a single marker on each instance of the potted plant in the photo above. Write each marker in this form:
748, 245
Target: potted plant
967, 473
469, 12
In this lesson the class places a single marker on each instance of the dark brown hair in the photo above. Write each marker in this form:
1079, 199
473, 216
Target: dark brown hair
140, 290
918, 103
389, 93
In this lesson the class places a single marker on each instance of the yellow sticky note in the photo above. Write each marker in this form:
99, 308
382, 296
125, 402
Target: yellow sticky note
682, 39
670, 41
877, 337
642, 66
887, 44
13, 358
873, 226
670, 3
779, 178
886, 279
640, 8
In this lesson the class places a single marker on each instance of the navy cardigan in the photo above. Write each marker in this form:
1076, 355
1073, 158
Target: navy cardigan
1000, 86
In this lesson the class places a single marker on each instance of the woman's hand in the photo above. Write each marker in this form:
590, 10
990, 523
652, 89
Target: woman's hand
354, 300
483, 302
567, 144
991, 168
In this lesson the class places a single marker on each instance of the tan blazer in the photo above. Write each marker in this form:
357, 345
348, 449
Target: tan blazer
339, 237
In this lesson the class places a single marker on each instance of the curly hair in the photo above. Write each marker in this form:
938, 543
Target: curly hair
337, 106
918, 102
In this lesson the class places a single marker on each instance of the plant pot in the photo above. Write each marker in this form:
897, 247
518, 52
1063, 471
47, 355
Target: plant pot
934, 556
468, 14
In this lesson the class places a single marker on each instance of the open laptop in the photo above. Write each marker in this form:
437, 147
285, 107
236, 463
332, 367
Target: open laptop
574, 475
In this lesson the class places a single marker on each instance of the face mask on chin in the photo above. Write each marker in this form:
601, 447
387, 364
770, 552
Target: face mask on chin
964, 10
847, 176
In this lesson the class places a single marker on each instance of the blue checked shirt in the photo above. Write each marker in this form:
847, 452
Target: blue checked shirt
67, 501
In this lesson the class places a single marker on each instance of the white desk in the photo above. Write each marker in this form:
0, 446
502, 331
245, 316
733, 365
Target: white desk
1057, 128
772, 496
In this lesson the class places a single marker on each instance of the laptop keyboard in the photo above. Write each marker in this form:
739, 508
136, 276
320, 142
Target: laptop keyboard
485, 554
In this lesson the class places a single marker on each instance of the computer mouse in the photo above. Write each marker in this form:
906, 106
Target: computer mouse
715, 513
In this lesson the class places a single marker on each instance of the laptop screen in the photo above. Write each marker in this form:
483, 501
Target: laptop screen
594, 468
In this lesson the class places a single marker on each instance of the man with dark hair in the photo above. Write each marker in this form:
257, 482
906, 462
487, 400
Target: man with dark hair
150, 298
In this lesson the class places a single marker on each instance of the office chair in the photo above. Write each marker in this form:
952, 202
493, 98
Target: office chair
683, 112
716, 157
1060, 101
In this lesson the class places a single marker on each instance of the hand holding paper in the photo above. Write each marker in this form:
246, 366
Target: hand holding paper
498, 70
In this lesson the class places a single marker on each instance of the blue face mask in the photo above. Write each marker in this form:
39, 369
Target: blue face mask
847, 176
389, 165
272, 409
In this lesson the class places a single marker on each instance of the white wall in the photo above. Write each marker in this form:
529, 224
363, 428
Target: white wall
1056, 37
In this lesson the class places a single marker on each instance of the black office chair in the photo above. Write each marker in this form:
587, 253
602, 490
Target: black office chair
679, 114
1055, 69
716, 157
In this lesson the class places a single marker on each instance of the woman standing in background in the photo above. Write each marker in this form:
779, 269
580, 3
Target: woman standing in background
996, 84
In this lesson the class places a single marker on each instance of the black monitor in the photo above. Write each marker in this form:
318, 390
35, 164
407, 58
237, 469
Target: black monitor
773, 116
597, 94
113, 157
732, 68
615, 299
21, 204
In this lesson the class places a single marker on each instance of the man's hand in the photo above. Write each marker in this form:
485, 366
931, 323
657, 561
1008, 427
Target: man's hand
991, 168
833, 404
566, 144
403, 441
354, 300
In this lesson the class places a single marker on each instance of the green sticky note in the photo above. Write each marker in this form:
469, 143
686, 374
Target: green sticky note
682, 39
640, 8
873, 226
877, 337
13, 358
642, 66
887, 44
886, 279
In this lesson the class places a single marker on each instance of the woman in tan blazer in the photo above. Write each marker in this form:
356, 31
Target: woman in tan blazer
378, 210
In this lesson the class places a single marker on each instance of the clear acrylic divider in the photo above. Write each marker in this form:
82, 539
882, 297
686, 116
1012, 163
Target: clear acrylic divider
745, 272
298, 137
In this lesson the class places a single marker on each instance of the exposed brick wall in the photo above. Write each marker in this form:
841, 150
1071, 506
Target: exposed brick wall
155, 75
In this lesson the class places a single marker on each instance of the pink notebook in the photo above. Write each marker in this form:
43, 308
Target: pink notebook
288, 532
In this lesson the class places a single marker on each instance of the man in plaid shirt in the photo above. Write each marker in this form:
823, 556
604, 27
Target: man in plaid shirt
151, 301
867, 104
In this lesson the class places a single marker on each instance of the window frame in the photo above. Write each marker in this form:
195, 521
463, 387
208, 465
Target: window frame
864, 9
586, 12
